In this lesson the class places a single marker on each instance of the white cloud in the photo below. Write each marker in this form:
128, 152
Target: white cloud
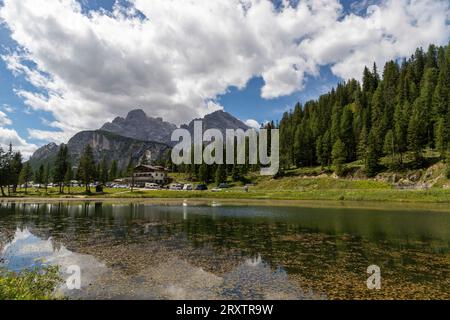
8, 108
253, 124
49, 136
4, 120
93, 67
8, 136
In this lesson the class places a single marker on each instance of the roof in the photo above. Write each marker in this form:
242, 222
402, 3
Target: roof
147, 168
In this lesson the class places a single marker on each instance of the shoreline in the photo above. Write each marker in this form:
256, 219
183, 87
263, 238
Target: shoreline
344, 204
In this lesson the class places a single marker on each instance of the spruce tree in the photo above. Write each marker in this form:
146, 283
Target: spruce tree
113, 173
339, 156
3, 172
68, 177
372, 157
448, 163
46, 176
203, 173
221, 174
39, 175
104, 171
389, 147
26, 175
60, 167
440, 137
15, 167
87, 167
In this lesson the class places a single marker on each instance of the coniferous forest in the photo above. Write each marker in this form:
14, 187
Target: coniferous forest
401, 110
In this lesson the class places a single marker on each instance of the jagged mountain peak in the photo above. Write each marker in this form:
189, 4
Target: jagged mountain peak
138, 125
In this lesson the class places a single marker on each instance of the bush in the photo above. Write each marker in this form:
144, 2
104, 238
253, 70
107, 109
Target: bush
37, 284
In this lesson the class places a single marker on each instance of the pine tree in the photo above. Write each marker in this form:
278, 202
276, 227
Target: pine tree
448, 163
339, 155
87, 167
389, 147
46, 176
362, 145
104, 171
401, 128
440, 137
26, 175
203, 173
416, 139
221, 174
113, 173
60, 167
236, 173
15, 167
3, 172
372, 157
68, 177
347, 134
39, 175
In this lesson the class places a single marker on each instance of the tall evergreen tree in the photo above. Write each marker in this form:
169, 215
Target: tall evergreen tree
113, 173
221, 174
26, 175
87, 167
39, 175
68, 177
60, 167
339, 156
372, 156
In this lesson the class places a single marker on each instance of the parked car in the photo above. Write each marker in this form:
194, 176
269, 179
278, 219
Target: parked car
176, 186
152, 186
188, 187
223, 186
201, 187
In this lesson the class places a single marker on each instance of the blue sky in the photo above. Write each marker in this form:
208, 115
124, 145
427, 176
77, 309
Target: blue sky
26, 104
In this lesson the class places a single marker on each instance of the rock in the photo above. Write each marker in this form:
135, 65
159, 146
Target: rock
137, 125
218, 120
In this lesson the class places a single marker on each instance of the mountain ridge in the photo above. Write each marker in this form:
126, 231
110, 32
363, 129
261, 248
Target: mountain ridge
134, 136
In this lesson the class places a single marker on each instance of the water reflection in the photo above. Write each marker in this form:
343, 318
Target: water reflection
172, 279
204, 252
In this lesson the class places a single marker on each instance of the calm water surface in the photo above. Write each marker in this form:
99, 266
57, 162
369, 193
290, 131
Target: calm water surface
145, 251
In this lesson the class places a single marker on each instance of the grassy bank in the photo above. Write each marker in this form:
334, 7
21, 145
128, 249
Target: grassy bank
286, 189
29, 285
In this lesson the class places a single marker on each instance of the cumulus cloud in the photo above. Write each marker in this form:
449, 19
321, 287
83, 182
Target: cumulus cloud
4, 120
57, 137
173, 58
253, 124
8, 136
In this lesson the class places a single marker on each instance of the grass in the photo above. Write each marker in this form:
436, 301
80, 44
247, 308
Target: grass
297, 184
29, 285
306, 190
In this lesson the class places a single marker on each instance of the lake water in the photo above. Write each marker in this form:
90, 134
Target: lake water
155, 251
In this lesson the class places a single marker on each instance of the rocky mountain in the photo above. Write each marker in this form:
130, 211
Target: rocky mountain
135, 135
104, 144
218, 120
138, 125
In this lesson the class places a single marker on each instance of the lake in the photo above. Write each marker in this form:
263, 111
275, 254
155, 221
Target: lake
220, 251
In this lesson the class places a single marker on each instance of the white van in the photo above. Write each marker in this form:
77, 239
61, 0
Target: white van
152, 186
188, 187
